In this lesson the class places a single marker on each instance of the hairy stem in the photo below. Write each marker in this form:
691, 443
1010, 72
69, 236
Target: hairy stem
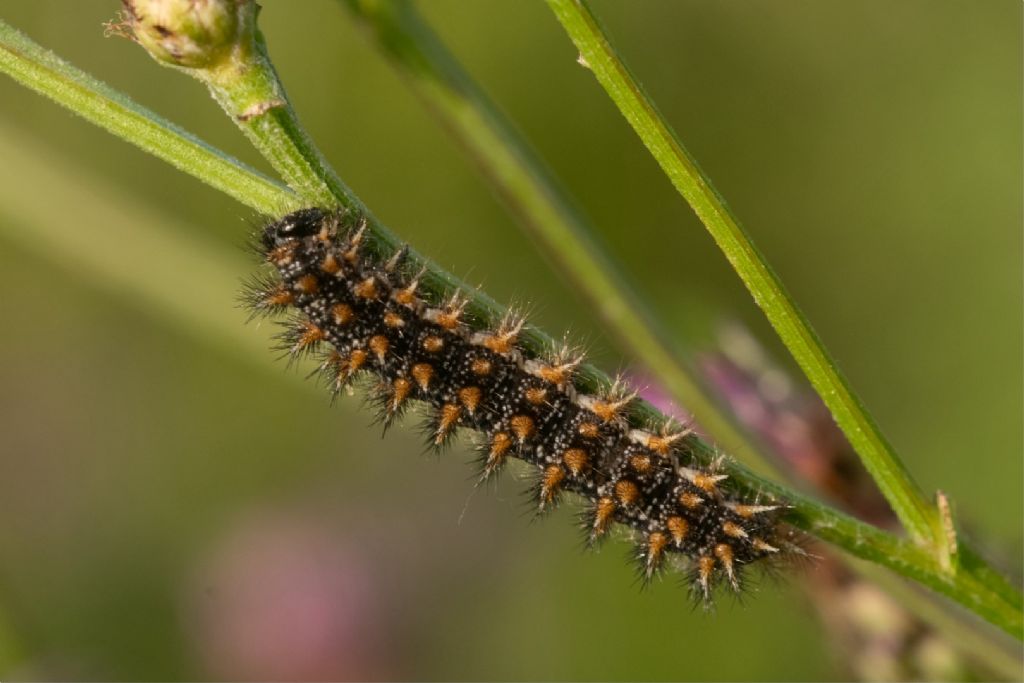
252, 95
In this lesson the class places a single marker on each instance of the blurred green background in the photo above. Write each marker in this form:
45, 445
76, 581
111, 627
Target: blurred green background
174, 503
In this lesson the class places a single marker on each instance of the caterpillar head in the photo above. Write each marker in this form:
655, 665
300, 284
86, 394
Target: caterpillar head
303, 223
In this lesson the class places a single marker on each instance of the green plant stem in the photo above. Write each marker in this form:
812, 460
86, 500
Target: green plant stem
915, 512
42, 71
521, 179
857, 538
252, 95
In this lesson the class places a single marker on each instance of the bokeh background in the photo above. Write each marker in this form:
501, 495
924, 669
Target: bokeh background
175, 504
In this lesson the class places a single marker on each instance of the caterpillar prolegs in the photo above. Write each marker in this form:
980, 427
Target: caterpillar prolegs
361, 315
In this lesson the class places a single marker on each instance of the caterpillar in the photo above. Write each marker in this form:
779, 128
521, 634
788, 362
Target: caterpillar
362, 315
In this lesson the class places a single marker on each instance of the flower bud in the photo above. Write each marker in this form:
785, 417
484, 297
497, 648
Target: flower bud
189, 33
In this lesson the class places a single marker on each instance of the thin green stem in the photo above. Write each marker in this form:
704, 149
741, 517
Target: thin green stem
855, 537
914, 510
251, 94
41, 70
522, 180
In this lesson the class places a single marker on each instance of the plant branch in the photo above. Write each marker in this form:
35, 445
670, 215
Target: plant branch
915, 512
39, 69
252, 95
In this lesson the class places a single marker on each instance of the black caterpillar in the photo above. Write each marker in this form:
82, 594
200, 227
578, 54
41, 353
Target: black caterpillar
360, 315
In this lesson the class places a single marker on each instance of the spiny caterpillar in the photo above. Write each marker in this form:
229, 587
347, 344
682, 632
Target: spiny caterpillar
361, 315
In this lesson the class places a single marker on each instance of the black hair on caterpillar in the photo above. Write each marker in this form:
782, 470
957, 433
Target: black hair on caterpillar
363, 315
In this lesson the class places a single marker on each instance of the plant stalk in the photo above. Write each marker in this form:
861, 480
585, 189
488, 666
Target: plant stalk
914, 511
